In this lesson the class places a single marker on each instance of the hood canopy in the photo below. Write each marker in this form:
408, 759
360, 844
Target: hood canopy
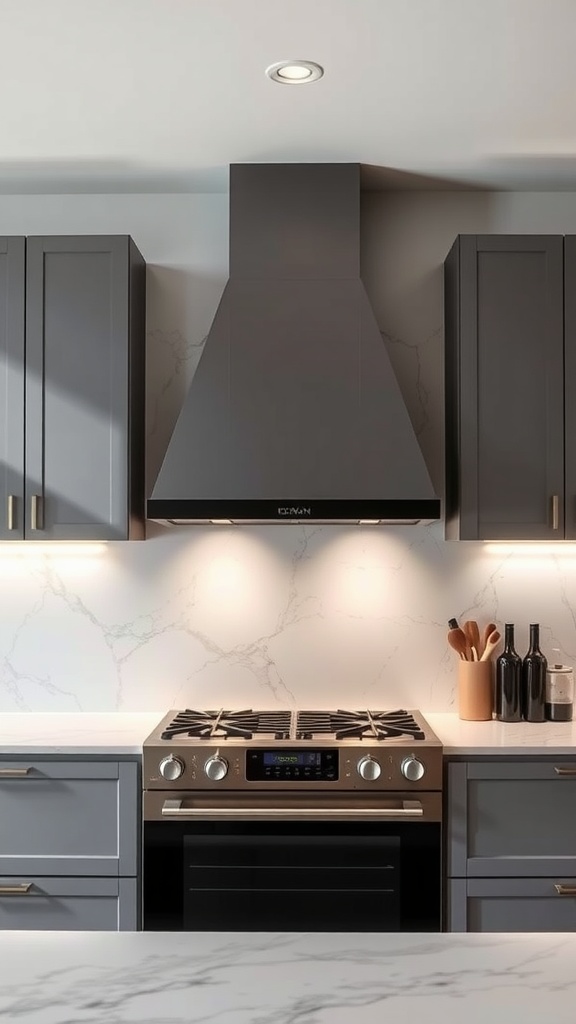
294, 413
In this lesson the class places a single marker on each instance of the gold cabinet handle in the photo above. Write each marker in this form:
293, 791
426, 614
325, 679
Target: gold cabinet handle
15, 890
7, 773
565, 771
10, 512
36, 516
566, 890
554, 511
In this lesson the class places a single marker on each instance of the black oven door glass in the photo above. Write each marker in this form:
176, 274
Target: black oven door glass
291, 876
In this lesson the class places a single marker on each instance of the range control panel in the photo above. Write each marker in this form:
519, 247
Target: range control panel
292, 765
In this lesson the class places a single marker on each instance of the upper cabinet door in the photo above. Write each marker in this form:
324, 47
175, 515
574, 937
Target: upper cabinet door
12, 257
505, 388
84, 394
570, 382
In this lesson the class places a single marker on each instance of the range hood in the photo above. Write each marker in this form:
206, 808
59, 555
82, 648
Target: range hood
294, 413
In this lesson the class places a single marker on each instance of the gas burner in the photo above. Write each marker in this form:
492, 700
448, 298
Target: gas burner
373, 725
206, 725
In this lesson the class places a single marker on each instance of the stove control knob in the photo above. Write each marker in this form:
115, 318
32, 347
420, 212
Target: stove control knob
369, 768
412, 769
171, 768
216, 768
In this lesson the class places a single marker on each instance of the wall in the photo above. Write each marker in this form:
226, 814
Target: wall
278, 615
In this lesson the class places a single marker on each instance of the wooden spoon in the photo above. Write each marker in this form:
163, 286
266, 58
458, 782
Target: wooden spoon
492, 642
457, 640
485, 634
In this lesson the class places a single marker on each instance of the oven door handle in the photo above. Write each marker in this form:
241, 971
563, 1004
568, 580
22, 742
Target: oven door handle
409, 809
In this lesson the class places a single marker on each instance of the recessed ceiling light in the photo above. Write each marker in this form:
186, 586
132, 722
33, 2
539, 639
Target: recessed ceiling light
295, 72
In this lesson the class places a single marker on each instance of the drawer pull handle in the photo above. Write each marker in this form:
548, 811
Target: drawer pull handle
565, 771
15, 773
15, 890
566, 890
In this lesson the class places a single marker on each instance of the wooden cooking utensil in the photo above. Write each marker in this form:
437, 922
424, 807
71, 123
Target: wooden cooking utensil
457, 640
492, 642
473, 636
485, 634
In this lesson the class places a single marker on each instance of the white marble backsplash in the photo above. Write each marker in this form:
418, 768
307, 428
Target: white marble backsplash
278, 616
282, 615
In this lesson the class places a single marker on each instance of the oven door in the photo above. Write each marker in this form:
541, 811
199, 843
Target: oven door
283, 865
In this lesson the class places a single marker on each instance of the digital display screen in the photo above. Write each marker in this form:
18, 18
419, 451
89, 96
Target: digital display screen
293, 765
300, 759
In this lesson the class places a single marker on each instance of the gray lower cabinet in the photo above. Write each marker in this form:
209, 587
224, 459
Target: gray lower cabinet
512, 905
69, 843
511, 846
72, 358
68, 904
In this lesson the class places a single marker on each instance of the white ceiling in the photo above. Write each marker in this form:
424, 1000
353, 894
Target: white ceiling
137, 95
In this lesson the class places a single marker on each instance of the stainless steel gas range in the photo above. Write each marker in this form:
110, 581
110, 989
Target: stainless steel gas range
280, 820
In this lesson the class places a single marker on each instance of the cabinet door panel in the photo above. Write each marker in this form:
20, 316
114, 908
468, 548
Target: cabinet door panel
77, 387
67, 904
511, 905
12, 263
511, 820
505, 373
68, 818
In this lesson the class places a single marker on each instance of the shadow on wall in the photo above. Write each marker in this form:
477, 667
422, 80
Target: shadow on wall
405, 238
174, 297
34, 177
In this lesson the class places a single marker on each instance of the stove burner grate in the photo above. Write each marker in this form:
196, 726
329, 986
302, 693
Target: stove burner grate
373, 725
224, 724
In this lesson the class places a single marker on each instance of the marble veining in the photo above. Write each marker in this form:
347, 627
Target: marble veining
222, 978
285, 615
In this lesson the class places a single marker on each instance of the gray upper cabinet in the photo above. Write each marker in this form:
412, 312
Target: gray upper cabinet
12, 298
504, 374
78, 429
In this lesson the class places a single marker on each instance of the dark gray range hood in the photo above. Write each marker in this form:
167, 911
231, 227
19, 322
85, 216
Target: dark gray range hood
294, 413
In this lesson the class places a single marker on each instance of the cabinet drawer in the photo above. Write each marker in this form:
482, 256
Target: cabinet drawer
512, 905
68, 818
68, 904
512, 820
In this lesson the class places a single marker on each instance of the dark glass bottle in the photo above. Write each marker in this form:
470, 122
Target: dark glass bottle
534, 679
509, 680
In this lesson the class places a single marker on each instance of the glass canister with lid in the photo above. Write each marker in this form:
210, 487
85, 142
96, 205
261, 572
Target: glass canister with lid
559, 693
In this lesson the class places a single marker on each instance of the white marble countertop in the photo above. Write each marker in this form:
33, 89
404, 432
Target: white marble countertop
68, 732
459, 737
256, 978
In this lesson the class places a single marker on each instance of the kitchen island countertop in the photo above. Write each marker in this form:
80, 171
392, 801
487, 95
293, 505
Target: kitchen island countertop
256, 978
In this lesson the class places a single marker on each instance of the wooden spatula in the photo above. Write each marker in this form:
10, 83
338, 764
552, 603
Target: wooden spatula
473, 636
